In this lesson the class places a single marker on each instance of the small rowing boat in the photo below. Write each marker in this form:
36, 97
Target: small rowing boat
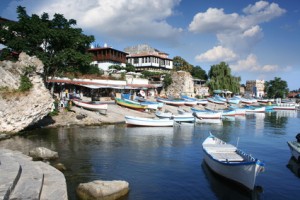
141, 121
90, 105
230, 162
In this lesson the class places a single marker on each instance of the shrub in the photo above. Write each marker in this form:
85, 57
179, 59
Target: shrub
25, 84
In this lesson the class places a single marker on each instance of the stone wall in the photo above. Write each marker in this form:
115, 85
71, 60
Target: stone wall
20, 110
182, 83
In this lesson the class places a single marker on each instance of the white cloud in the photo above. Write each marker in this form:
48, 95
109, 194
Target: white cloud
218, 53
213, 20
251, 64
262, 11
117, 18
239, 33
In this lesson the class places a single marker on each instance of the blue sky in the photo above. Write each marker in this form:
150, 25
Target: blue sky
257, 39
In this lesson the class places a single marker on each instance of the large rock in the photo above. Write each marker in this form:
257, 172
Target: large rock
42, 153
20, 110
102, 190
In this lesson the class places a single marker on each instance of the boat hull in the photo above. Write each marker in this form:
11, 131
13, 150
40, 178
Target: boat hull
208, 115
134, 106
171, 102
284, 106
231, 163
244, 174
90, 106
139, 121
186, 117
295, 149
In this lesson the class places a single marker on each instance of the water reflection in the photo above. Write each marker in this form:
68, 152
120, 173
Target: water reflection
275, 120
225, 189
294, 166
287, 113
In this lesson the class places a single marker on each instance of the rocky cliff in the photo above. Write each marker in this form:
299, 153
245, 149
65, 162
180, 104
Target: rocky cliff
19, 110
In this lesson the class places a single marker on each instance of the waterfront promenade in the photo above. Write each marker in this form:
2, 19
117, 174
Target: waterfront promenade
22, 178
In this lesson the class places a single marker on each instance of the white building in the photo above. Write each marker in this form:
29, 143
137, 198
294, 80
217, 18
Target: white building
144, 57
255, 88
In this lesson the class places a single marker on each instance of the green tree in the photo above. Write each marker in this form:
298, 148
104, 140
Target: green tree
167, 81
181, 64
117, 67
129, 67
61, 47
221, 78
276, 88
198, 72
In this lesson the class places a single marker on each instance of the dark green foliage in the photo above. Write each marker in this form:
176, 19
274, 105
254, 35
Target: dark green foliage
29, 70
129, 67
25, 84
117, 67
149, 74
276, 88
181, 64
90, 69
167, 81
61, 47
198, 72
221, 78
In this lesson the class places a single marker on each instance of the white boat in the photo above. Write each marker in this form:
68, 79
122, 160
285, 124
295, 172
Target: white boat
216, 101
149, 105
90, 105
171, 102
253, 109
193, 101
208, 115
209, 121
230, 162
234, 100
190, 102
295, 147
248, 101
228, 113
285, 106
202, 101
238, 111
184, 117
141, 121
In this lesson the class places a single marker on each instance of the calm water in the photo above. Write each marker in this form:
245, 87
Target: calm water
167, 163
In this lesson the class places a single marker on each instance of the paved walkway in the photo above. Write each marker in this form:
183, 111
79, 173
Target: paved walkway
22, 178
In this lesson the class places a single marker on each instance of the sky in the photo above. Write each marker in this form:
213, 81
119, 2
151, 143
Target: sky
259, 40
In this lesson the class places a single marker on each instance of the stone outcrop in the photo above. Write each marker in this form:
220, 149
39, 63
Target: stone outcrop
104, 190
19, 110
182, 83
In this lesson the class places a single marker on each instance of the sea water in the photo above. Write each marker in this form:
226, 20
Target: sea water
167, 163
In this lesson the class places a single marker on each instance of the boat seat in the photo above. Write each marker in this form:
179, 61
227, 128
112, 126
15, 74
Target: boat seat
227, 156
219, 148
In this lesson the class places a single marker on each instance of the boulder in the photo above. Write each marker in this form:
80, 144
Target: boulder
42, 153
102, 190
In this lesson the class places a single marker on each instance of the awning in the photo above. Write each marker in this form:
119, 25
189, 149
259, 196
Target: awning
102, 86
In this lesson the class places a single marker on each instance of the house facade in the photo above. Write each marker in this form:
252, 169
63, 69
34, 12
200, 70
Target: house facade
144, 57
255, 88
103, 57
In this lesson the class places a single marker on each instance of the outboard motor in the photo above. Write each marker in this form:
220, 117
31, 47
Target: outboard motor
298, 137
